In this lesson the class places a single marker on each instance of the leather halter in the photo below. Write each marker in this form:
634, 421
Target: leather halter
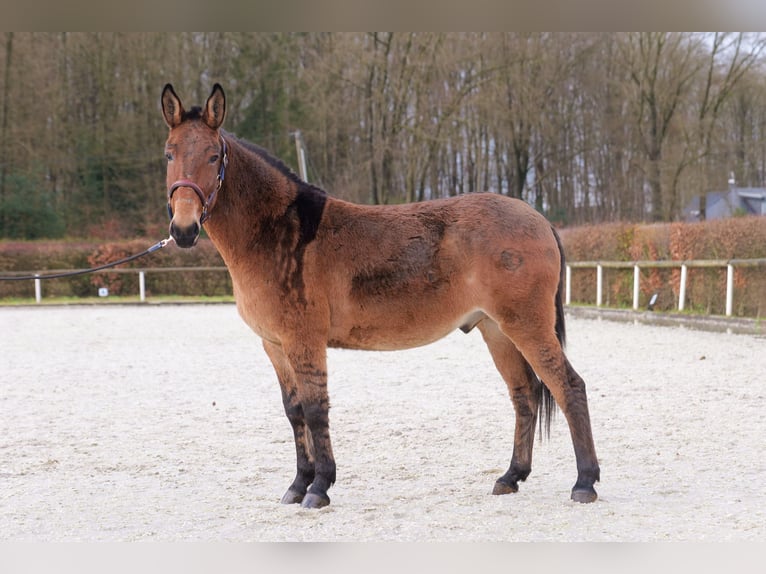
207, 203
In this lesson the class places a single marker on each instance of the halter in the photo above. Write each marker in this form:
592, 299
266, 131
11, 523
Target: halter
207, 203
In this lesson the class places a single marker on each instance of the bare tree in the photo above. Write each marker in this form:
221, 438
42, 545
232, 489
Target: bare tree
586, 127
662, 67
4, 126
731, 56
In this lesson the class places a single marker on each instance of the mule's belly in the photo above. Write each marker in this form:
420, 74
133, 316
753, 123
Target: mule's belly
396, 332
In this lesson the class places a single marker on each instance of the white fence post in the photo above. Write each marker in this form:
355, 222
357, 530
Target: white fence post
38, 289
637, 266
599, 284
729, 289
141, 286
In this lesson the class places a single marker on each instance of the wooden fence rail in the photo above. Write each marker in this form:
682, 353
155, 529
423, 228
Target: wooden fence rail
140, 271
729, 264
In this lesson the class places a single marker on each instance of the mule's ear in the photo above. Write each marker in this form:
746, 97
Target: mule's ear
215, 108
172, 109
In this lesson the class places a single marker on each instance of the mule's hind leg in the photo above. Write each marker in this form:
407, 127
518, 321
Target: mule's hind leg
294, 410
540, 347
523, 387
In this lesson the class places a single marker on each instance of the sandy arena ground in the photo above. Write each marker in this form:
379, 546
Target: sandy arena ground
165, 423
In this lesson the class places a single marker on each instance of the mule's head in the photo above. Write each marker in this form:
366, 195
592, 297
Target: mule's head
196, 155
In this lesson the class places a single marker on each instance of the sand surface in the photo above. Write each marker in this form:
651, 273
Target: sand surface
165, 423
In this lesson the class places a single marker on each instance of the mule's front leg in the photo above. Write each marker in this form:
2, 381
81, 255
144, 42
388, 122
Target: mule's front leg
317, 421
310, 367
294, 411
304, 454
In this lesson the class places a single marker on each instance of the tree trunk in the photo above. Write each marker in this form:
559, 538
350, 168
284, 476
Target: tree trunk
5, 159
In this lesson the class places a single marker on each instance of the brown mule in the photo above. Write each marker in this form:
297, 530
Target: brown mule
311, 272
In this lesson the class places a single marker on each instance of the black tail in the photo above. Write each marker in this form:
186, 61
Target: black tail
561, 330
547, 406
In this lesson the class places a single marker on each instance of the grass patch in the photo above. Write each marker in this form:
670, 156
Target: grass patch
114, 300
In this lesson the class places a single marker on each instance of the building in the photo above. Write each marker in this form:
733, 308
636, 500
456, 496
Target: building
734, 202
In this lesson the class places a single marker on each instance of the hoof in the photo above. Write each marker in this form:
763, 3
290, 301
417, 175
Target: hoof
292, 497
312, 500
584, 496
503, 488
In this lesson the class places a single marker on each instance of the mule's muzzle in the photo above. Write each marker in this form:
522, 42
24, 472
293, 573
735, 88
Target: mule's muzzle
185, 237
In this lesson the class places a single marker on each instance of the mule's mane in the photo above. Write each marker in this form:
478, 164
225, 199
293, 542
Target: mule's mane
273, 161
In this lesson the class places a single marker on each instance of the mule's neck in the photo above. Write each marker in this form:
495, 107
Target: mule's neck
263, 207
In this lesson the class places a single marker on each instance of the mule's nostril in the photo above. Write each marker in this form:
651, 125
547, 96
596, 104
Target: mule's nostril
185, 236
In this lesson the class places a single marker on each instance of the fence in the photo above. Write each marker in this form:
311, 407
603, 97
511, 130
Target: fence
140, 272
684, 266
599, 266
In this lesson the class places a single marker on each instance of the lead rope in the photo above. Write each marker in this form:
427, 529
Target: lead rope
156, 247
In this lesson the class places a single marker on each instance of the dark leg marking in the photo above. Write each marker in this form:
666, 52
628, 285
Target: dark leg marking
318, 421
304, 475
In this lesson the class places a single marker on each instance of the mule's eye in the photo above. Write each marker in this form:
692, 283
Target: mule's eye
213, 158
168, 156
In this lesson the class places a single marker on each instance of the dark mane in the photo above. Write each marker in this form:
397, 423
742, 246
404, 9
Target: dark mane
274, 162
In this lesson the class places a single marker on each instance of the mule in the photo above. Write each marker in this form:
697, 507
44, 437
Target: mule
310, 271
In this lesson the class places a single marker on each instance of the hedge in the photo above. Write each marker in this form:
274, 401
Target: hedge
736, 238
42, 256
